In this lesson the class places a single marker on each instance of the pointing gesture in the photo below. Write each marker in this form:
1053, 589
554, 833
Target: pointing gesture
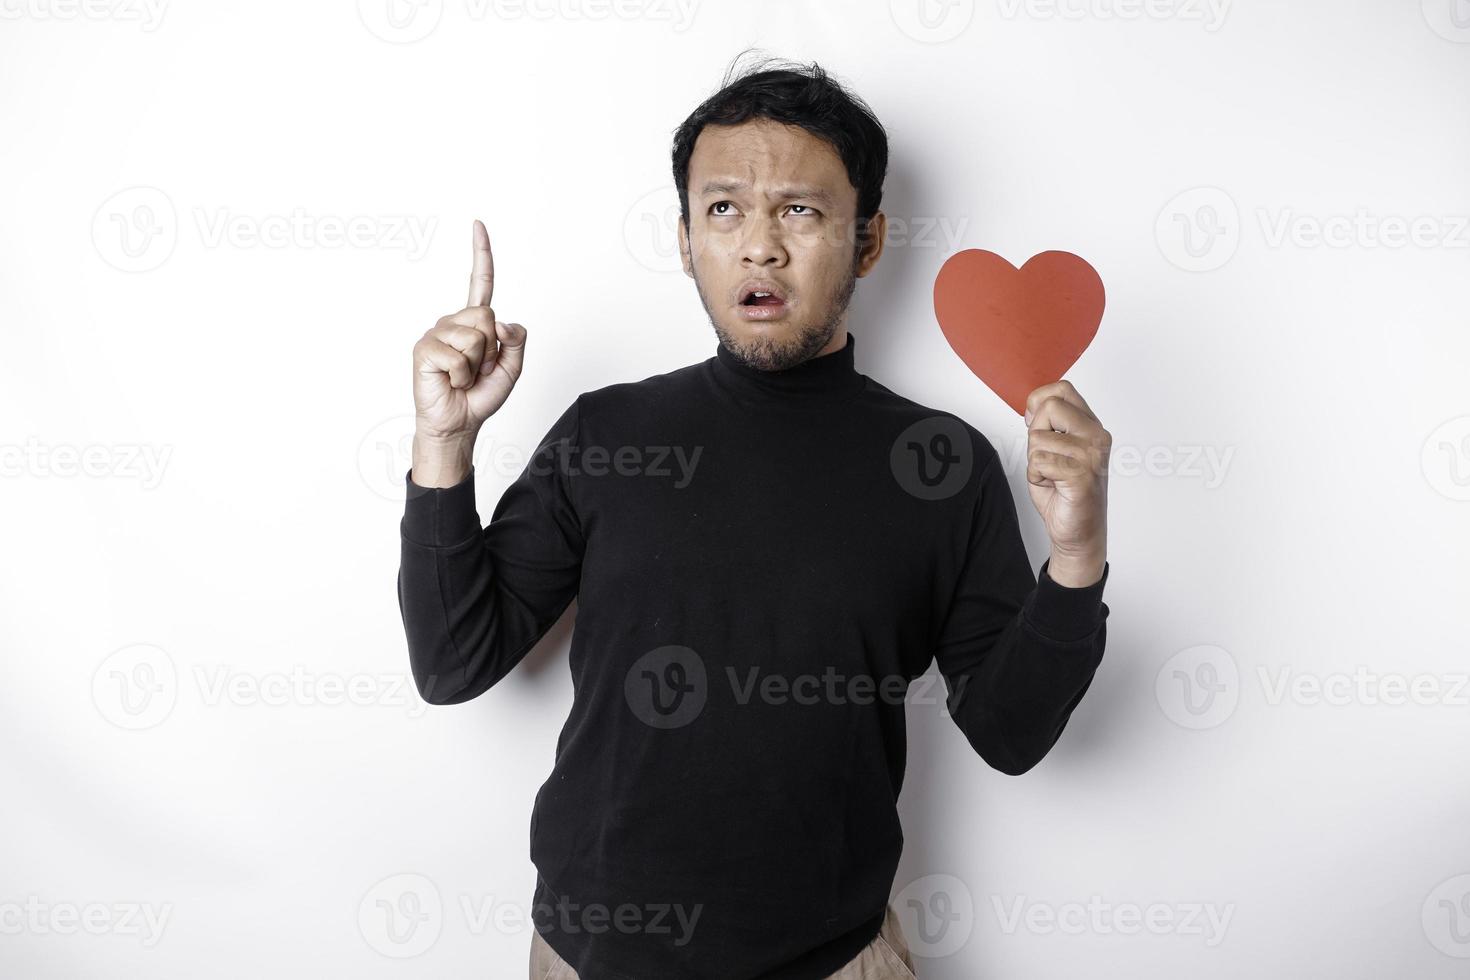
464, 368
482, 276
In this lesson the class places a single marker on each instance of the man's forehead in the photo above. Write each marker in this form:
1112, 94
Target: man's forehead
771, 158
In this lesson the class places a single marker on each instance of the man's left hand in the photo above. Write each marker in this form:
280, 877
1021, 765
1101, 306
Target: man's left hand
1067, 471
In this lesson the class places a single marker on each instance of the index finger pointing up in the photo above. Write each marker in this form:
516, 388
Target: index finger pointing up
482, 275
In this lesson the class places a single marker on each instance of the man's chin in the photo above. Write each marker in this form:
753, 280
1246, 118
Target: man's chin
772, 345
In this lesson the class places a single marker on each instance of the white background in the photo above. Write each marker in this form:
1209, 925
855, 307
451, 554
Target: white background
177, 611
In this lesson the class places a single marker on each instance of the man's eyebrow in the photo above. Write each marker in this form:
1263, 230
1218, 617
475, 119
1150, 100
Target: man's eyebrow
781, 193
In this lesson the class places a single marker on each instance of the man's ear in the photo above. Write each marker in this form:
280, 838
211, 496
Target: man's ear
872, 248
684, 248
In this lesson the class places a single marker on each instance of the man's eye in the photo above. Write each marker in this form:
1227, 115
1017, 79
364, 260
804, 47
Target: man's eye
714, 208
805, 211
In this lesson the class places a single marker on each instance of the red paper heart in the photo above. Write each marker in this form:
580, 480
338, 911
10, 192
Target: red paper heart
1018, 329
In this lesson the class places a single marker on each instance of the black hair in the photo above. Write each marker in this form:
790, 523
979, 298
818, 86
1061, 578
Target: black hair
799, 95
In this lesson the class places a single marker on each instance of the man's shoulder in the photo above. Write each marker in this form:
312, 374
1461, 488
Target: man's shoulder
624, 400
924, 422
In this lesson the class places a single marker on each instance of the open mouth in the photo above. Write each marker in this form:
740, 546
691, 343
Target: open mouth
758, 297
762, 298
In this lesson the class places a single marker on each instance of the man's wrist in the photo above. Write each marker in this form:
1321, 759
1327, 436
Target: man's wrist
441, 462
1076, 572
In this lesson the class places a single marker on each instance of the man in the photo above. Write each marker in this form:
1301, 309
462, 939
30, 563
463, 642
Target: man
767, 547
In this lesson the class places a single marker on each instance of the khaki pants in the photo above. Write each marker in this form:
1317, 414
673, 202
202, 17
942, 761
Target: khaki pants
887, 957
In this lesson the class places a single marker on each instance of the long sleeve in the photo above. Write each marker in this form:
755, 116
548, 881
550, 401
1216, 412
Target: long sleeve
475, 600
1017, 652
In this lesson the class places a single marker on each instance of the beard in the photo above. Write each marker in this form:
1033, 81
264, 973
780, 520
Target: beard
772, 354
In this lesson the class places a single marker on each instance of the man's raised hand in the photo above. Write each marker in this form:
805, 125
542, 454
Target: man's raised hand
464, 368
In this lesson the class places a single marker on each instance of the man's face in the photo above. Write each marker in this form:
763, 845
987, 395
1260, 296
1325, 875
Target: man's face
771, 210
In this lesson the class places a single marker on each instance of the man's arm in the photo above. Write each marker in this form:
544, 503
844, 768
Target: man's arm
1017, 653
475, 600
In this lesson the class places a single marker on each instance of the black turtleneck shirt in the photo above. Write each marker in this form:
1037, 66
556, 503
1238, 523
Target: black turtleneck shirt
763, 562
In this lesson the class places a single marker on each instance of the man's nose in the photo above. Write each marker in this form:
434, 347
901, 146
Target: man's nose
763, 243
